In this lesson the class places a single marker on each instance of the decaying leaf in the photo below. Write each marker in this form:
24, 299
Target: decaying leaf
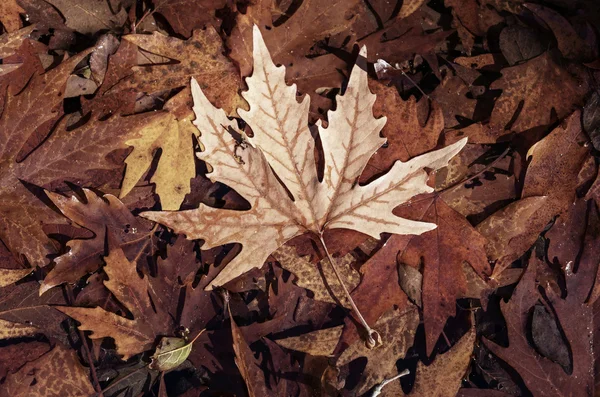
199, 57
320, 278
317, 343
9, 276
9, 15
282, 141
527, 102
397, 329
56, 373
443, 377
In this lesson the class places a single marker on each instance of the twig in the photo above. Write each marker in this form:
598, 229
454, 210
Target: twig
373, 337
379, 387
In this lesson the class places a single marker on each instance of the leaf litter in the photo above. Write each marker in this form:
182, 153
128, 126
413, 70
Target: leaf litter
298, 198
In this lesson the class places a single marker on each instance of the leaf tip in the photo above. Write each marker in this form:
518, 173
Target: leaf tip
363, 51
44, 287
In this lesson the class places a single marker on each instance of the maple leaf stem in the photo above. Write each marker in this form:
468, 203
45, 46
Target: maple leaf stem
373, 337
378, 389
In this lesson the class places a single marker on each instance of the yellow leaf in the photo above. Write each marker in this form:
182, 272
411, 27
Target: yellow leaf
176, 165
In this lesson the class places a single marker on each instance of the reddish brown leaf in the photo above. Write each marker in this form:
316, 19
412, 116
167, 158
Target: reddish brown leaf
149, 320
101, 215
32, 111
552, 173
532, 91
291, 42
16, 355
201, 57
245, 361
23, 312
575, 317
406, 136
379, 289
442, 253
184, 16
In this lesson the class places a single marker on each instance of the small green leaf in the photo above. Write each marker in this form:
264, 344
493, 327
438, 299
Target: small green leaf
171, 353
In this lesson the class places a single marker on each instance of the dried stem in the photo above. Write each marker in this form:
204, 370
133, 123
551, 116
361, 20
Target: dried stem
379, 387
373, 337
86, 349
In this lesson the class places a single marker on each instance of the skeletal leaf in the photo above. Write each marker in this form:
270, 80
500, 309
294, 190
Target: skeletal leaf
282, 143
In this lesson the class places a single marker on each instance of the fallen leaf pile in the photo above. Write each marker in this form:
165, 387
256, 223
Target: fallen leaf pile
299, 198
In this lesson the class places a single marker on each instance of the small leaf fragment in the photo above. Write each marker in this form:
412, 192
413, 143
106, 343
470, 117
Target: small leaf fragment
317, 343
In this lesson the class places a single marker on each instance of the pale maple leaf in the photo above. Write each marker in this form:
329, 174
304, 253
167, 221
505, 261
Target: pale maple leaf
275, 170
